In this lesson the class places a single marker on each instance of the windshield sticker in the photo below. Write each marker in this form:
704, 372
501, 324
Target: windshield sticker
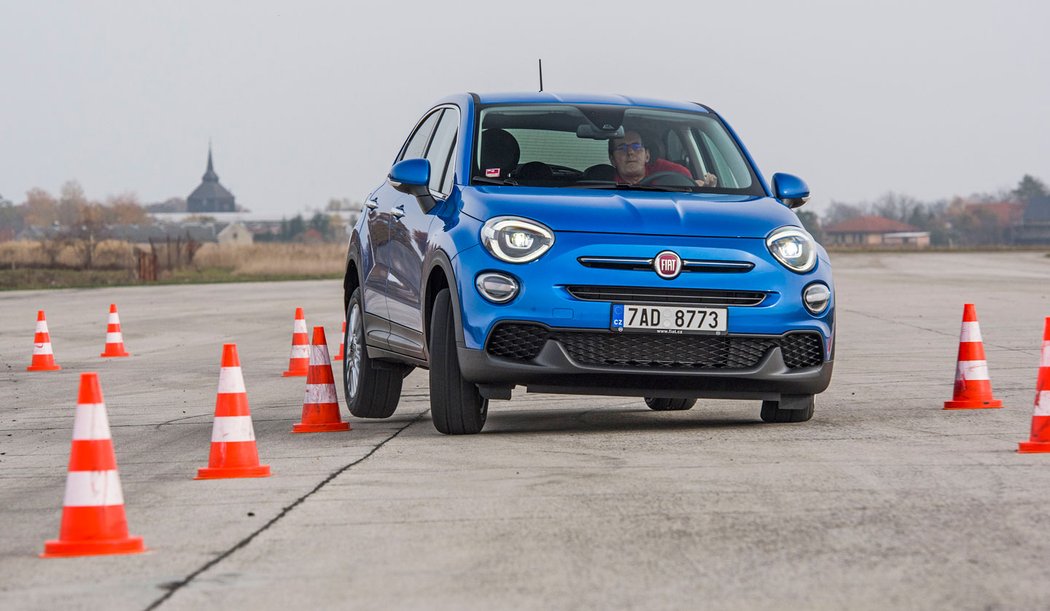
492, 173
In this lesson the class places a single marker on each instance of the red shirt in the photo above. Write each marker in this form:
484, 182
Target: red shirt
660, 165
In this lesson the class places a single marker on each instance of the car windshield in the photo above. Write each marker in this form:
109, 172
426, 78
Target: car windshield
608, 147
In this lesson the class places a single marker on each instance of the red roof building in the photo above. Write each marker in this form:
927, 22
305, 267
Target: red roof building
876, 231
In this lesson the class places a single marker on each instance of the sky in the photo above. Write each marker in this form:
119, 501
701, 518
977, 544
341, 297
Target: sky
311, 100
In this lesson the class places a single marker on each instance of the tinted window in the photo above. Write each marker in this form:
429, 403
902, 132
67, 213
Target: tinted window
417, 144
440, 149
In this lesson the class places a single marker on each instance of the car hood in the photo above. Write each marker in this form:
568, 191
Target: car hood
635, 212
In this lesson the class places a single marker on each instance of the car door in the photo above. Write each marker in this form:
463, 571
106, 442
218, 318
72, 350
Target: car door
378, 210
409, 237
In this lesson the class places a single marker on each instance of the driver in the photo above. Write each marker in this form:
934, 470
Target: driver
632, 161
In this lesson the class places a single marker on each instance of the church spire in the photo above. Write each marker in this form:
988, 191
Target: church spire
209, 174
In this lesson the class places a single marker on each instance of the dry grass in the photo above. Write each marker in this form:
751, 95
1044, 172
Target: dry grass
109, 254
274, 259
267, 259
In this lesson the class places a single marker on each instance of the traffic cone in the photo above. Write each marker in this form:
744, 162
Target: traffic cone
299, 360
321, 406
233, 451
114, 338
93, 521
973, 388
1040, 438
342, 337
43, 357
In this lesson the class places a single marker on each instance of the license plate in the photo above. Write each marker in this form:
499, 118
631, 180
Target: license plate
668, 319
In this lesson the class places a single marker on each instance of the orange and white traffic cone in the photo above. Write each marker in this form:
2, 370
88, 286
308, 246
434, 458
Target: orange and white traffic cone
114, 338
321, 406
233, 451
43, 357
973, 387
299, 359
93, 521
1040, 438
342, 337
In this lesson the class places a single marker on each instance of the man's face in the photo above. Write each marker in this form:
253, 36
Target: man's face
630, 156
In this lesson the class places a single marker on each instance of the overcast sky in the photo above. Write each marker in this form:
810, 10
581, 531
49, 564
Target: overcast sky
304, 101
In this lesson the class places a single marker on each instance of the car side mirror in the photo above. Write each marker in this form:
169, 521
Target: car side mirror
412, 176
790, 189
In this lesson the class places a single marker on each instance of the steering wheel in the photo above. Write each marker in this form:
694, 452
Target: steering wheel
670, 179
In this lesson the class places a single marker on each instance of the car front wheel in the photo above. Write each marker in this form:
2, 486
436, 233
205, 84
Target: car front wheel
659, 404
790, 408
456, 406
370, 392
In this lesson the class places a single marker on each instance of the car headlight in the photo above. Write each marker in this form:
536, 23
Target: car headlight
794, 248
516, 240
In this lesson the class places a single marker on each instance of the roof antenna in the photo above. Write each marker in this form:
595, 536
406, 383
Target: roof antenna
541, 74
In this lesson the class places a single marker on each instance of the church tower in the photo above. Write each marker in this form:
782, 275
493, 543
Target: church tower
210, 196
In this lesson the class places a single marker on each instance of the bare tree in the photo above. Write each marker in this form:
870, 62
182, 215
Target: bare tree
841, 211
41, 209
896, 206
125, 209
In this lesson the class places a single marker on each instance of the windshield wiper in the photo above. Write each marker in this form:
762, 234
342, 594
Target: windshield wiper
494, 181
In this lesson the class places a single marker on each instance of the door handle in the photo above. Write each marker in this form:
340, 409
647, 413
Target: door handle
398, 212
372, 204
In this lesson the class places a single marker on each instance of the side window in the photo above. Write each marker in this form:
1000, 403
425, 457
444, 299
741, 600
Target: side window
440, 151
417, 144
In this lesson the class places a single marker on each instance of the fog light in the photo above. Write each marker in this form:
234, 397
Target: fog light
816, 297
496, 287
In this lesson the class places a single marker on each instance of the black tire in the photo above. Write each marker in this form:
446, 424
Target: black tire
369, 392
456, 406
790, 408
659, 404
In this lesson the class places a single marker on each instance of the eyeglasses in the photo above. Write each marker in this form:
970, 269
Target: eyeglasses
633, 146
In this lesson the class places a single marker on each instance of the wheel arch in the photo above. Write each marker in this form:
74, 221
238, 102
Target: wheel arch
352, 276
440, 275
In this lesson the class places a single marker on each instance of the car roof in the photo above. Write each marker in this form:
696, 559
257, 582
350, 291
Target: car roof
539, 97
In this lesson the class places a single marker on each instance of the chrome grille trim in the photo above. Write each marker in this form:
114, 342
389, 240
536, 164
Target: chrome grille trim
646, 264
658, 295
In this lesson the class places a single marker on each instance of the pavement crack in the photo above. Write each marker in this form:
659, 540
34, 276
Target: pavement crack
173, 587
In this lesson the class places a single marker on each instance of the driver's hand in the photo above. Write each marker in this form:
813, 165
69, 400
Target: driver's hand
709, 180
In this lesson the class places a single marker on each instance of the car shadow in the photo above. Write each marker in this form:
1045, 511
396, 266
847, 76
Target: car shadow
517, 422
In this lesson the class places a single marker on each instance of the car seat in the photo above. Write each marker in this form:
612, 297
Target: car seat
499, 150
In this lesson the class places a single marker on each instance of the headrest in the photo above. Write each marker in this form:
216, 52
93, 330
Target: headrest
499, 150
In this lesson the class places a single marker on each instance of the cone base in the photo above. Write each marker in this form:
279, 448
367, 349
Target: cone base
1033, 447
69, 549
43, 368
990, 404
106, 355
231, 472
294, 374
320, 428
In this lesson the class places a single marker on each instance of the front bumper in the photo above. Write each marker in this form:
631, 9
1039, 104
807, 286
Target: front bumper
554, 370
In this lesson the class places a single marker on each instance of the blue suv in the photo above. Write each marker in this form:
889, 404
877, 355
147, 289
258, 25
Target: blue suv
584, 244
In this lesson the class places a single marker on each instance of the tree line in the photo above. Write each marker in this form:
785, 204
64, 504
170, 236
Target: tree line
951, 222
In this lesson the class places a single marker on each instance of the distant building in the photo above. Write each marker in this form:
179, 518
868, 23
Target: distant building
875, 231
236, 233
210, 196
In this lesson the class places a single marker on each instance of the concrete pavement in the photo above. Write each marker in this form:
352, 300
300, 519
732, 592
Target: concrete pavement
882, 500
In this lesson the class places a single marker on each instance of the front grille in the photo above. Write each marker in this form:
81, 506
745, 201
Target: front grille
517, 342
802, 350
665, 351
644, 264
647, 295
522, 342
